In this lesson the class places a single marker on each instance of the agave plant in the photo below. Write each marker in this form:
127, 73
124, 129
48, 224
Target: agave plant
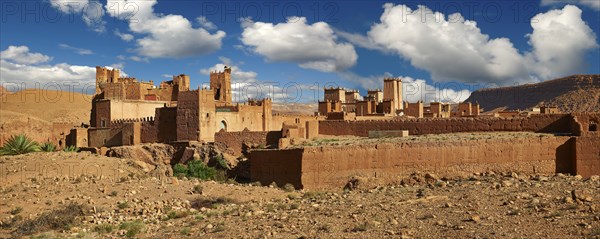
19, 144
71, 148
48, 147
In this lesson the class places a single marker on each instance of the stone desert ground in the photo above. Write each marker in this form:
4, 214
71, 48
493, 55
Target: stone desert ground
79, 195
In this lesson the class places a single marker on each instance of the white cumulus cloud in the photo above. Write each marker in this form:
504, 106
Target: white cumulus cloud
560, 39
21, 55
166, 36
124, 36
24, 69
91, 12
454, 49
311, 46
594, 4
449, 47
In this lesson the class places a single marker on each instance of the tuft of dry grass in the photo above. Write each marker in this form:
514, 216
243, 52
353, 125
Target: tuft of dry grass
58, 219
210, 202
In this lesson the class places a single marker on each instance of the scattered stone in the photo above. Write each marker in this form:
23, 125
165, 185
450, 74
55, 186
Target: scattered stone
506, 183
582, 195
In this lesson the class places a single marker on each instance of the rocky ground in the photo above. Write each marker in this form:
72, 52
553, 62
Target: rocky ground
112, 198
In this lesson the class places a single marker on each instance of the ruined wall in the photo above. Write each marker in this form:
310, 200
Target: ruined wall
587, 121
332, 166
279, 166
536, 123
233, 142
78, 137
587, 154
108, 137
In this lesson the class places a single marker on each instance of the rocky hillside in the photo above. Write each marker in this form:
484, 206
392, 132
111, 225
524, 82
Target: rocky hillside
577, 93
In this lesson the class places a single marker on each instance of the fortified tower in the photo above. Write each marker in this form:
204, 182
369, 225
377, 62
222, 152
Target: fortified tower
392, 91
104, 75
182, 82
220, 84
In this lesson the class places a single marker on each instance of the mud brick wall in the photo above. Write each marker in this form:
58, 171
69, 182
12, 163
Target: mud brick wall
558, 123
332, 166
587, 154
188, 123
233, 142
149, 132
166, 124
99, 137
279, 166
585, 120
100, 111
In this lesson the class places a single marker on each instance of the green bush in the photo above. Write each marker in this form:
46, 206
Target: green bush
196, 169
48, 147
19, 144
71, 148
222, 163
180, 170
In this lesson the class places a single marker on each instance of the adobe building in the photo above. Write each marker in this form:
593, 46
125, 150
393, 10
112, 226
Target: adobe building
126, 111
375, 103
467, 109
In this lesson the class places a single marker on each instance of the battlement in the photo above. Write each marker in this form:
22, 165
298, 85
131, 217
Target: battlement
392, 79
119, 122
226, 69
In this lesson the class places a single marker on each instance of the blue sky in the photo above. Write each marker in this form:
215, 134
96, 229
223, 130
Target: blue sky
289, 50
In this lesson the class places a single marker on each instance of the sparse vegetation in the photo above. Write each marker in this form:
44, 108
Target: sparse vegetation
133, 228
122, 205
198, 189
288, 187
16, 210
48, 147
361, 227
71, 149
197, 169
177, 214
221, 162
185, 231
19, 144
59, 219
210, 202
104, 228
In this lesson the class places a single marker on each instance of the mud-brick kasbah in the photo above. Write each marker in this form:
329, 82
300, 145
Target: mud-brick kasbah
127, 111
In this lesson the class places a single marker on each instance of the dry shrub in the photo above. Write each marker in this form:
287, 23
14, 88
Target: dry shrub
58, 219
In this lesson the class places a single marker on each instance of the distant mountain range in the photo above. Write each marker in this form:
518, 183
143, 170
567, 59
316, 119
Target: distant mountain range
577, 93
